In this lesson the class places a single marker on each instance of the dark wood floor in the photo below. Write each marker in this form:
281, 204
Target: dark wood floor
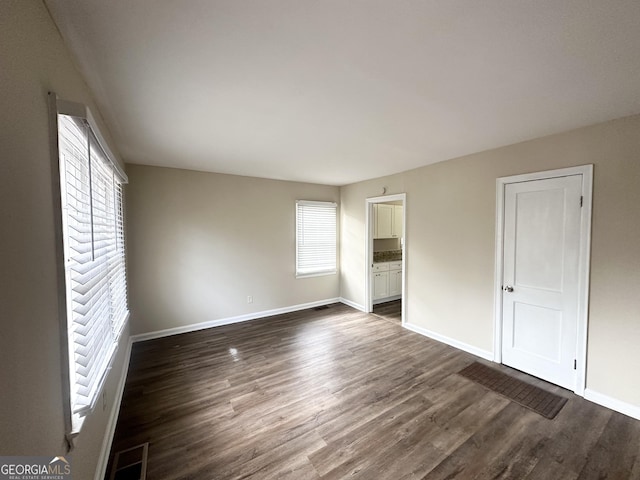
335, 394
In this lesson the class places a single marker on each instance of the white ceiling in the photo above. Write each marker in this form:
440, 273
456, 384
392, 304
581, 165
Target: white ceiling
337, 91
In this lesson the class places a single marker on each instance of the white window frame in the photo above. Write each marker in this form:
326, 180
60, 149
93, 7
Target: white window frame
103, 180
331, 264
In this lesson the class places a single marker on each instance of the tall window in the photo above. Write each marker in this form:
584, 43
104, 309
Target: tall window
316, 233
94, 262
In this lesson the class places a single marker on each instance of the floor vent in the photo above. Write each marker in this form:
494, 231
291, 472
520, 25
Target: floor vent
321, 307
534, 398
130, 464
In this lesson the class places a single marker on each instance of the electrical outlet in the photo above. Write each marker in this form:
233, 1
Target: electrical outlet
249, 299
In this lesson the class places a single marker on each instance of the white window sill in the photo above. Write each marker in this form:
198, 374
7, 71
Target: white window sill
317, 274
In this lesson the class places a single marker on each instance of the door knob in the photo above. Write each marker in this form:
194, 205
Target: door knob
508, 288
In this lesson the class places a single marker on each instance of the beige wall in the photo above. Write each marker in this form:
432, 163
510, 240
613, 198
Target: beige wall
33, 60
450, 237
200, 243
352, 225
386, 244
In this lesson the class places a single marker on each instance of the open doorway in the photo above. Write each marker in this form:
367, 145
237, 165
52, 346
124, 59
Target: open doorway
385, 292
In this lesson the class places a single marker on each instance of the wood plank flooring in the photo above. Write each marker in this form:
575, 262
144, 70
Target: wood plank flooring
335, 394
391, 311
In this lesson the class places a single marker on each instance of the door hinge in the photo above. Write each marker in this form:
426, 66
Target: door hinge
575, 364
581, 200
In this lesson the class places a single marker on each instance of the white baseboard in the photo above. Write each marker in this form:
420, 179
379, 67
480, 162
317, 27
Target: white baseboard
230, 320
625, 408
478, 352
351, 304
387, 299
103, 461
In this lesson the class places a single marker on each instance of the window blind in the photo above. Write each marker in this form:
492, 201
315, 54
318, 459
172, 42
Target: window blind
93, 233
316, 238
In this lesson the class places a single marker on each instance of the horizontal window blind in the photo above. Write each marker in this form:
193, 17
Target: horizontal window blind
93, 233
316, 238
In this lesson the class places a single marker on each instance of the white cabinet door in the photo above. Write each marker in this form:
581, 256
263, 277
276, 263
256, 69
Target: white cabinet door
383, 220
395, 282
398, 218
381, 267
380, 285
395, 265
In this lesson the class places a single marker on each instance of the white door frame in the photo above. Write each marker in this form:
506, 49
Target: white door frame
583, 268
369, 202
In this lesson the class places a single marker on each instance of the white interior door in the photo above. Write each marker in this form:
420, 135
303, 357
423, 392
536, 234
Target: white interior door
541, 277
